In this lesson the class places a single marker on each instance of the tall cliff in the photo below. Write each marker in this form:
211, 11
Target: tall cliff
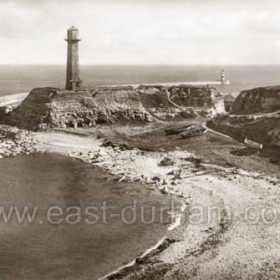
264, 99
51, 108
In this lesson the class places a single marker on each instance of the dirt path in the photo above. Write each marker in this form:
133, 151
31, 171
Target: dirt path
257, 115
204, 125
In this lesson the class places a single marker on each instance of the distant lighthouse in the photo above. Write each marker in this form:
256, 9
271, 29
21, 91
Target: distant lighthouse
73, 81
223, 78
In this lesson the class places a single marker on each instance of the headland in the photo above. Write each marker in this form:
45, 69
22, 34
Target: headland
185, 141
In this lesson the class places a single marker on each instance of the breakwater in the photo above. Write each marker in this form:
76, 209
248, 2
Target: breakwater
176, 84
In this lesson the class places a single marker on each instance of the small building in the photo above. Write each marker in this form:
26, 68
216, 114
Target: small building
229, 101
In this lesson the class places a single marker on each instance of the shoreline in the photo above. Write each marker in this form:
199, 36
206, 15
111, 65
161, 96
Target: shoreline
177, 220
206, 185
177, 223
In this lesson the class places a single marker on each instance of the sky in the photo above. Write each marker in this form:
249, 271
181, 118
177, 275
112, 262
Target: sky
142, 31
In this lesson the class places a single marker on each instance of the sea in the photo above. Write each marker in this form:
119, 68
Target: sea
83, 223
23, 78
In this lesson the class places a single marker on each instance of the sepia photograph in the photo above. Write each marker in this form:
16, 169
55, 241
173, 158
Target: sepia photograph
139, 140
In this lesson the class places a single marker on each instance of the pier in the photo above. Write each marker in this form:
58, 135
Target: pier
170, 84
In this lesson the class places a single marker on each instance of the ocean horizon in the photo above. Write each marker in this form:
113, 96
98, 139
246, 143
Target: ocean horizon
23, 78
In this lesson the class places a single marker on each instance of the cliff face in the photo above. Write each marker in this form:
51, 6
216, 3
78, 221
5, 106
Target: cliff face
264, 129
255, 114
190, 96
274, 135
50, 108
265, 99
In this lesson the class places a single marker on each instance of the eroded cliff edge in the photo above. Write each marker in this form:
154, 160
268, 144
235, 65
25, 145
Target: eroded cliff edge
46, 108
255, 115
257, 100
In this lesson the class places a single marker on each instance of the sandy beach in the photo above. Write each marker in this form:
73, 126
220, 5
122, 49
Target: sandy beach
230, 226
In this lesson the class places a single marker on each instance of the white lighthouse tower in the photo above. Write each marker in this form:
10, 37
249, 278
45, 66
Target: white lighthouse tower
224, 81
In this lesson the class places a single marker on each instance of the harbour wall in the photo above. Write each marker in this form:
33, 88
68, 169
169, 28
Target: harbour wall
196, 83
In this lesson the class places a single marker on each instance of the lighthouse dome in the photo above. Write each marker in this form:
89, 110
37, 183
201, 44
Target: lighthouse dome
73, 28
73, 33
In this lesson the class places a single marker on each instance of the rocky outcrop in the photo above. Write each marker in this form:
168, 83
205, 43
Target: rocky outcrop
265, 99
14, 141
274, 135
50, 108
191, 96
46, 108
255, 115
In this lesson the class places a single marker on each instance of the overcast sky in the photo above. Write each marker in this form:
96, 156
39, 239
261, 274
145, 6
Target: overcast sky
142, 31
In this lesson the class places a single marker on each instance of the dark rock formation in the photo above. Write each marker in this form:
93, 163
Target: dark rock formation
263, 130
255, 116
49, 108
191, 96
154, 97
46, 108
265, 99
4, 111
